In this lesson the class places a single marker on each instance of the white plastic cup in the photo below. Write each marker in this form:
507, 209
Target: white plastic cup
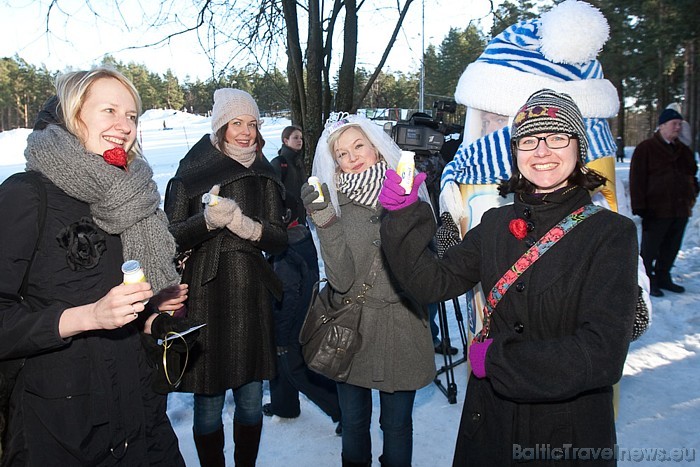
210, 199
133, 273
316, 183
406, 169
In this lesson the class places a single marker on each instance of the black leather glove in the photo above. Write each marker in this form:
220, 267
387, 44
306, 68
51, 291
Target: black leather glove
164, 324
175, 354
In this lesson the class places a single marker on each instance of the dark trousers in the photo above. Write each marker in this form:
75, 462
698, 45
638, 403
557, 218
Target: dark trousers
293, 377
395, 420
661, 240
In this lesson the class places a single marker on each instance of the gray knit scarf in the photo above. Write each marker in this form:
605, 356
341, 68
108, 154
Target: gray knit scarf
124, 203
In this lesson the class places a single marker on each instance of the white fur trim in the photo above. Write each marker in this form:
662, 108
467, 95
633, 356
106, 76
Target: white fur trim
503, 90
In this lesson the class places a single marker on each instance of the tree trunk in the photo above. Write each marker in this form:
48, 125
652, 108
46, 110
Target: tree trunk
346, 76
314, 68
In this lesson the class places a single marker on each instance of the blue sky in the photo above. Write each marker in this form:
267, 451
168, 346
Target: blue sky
78, 39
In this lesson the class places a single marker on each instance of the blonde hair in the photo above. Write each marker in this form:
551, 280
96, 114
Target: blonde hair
73, 88
333, 139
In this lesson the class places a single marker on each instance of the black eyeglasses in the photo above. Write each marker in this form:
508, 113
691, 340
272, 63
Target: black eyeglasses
553, 141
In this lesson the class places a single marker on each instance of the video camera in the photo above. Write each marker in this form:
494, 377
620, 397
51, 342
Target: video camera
422, 133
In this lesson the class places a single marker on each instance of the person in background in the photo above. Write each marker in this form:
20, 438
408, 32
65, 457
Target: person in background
397, 355
298, 270
83, 395
685, 135
620, 151
663, 190
232, 285
559, 336
289, 165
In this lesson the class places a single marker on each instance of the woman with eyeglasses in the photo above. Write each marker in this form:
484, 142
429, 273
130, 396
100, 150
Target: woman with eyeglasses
556, 342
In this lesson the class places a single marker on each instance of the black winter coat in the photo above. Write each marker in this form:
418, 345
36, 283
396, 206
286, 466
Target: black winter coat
231, 285
289, 166
560, 333
662, 179
297, 268
79, 398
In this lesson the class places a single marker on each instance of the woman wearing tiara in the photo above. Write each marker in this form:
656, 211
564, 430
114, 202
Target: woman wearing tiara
396, 356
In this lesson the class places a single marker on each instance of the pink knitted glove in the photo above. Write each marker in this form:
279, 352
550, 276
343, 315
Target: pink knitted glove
477, 357
393, 196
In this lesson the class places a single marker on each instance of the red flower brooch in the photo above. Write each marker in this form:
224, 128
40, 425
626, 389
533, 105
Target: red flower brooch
518, 228
115, 156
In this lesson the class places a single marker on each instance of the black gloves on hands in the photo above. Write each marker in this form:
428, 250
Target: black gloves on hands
175, 354
164, 324
322, 212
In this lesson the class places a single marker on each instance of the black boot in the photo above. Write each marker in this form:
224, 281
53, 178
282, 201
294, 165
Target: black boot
247, 439
347, 463
210, 448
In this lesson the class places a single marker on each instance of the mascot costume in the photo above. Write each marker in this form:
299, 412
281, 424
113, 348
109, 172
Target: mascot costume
557, 51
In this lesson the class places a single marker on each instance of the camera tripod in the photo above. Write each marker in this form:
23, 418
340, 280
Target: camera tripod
449, 389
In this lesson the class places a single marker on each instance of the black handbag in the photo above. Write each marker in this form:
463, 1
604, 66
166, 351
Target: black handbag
330, 336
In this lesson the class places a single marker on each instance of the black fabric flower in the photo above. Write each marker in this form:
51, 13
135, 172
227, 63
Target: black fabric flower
83, 244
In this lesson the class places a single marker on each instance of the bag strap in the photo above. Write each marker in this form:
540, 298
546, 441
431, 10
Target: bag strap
371, 276
35, 179
528, 258
366, 284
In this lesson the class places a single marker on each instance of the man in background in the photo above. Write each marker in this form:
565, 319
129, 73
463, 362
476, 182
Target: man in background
663, 189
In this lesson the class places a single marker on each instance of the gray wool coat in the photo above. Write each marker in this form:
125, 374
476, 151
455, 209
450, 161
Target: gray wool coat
397, 349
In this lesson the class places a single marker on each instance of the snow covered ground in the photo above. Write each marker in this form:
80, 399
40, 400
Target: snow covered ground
660, 395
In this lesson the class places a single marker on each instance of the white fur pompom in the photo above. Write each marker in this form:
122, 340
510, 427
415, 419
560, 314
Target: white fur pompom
573, 32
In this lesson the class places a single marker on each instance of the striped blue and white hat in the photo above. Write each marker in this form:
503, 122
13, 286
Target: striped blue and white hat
555, 51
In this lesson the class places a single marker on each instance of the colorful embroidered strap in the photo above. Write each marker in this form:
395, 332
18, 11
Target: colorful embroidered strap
534, 253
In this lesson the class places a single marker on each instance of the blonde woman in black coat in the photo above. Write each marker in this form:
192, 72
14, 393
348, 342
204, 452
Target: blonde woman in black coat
559, 336
84, 394
231, 283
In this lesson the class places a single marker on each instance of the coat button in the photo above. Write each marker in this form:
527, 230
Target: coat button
520, 286
519, 327
530, 226
476, 416
373, 219
527, 213
377, 243
529, 242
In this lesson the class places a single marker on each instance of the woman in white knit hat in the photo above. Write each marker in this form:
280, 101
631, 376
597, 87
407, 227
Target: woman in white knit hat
231, 284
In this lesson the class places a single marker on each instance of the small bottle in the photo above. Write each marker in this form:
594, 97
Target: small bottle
210, 199
133, 273
316, 183
406, 169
